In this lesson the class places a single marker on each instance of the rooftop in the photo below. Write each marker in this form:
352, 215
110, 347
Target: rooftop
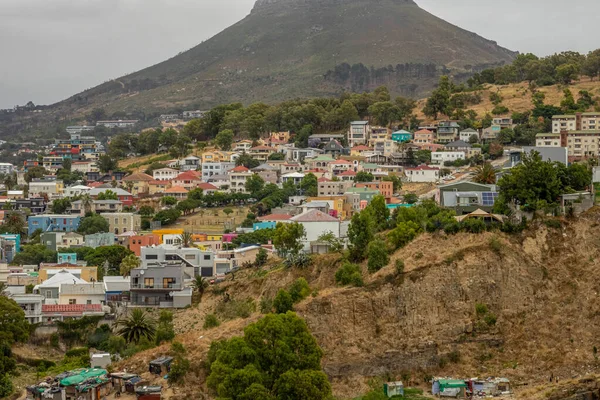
140, 176
275, 217
422, 168
314, 215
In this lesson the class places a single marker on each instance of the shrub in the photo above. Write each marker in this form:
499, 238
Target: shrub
481, 309
77, 352
299, 290
454, 357
490, 319
553, 223
399, 267
211, 321
498, 110
496, 245
452, 228
179, 368
300, 260
283, 302
116, 344
266, 305
377, 255
473, 225
349, 274
235, 308
6, 386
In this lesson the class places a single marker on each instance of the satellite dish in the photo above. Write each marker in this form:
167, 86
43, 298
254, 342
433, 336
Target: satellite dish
142, 272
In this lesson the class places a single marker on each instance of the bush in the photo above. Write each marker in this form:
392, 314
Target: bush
473, 225
454, 357
235, 308
116, 344
179, 368
211, 321
6, 386
496, 245
553, 223
399, 267
377, 255
266, 305
299, 290
283, 302
498, 110
481, 309
77, 352
452, 228
490, 319
349, 274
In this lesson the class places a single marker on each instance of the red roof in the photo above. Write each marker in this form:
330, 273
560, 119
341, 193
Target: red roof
207, 186
323, 179
348, 173
423, 168
275, 217
240, 168
176, 189
71, 308
261, 148
423, 131
187, 176
94, 184
361, 147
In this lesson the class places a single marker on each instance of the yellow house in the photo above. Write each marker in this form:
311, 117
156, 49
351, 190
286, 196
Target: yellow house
88, 274
216, 156
213, 237
338, 203
358, 151
138, 183
156, 186
162, 232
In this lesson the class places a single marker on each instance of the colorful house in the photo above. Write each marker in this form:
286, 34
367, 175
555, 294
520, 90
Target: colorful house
401, 136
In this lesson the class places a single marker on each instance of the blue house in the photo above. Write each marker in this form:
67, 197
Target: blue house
10, 245
53, 223
264, 225
402, 136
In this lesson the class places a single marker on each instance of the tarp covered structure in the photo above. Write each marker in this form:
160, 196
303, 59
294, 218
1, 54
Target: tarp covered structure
82, 376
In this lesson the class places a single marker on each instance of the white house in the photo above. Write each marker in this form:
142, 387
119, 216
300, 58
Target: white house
422, 173
440, 157
6, 168
165, 174
466, 134
315, 224
81, 293
76, 190
51, 287
295, 177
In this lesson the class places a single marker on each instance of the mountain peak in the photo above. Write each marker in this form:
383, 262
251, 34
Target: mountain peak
267, 4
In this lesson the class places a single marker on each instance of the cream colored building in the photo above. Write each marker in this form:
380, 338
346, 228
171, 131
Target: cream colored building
547, 140
123, 222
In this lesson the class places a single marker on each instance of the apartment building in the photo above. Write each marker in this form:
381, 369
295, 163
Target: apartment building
447, 131
441, 157
50, 186
582, 144
333, 188
576, 122
358, 133
237, 179
261, 153
547, 140
123, 222
53, 223
160, 286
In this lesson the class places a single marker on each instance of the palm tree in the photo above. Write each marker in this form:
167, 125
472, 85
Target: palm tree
199, 285
485, 174
128, 263
186, 239
15, 224
86, 202
137, 326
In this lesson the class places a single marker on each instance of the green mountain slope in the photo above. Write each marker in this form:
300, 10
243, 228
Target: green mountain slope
284, 49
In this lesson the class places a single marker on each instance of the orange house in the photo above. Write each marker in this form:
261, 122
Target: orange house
385, 188
137, 242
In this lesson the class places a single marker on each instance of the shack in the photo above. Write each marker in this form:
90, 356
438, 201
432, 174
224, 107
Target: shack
100, 360
393, 389
88, 384
120, 379
161, 366
44, 391
444, 387
148, 393
94, 388
134, 383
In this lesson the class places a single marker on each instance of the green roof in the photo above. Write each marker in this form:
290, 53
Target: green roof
588, 132
370, 165
563, 116
452, 383
82, 376
548, 134
361, 190
322, 157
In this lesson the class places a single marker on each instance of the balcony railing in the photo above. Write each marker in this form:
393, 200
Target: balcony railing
157, 286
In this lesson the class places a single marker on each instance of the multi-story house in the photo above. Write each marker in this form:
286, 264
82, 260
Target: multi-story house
333, 188
164, 174
447, 131
466, 135
319, 138
261, 153
77, 147
386, 188
138, 183
81, 293
190, 163
6, 168
335, 149
337, 167
402, 136
197, 262
359, 133
210, 169
385, 147
97, 206
503, 122
548, 140
48, 185
122, 195
294, 177
441, 157
99, 239
84, 166
422, 173
156, 187
243, 146
160, 286
123, 222
53, 223
237, 179
188, 180
581, 144
423, 136
36, 205
180, 193
31, 304
296, 154
126, 123
268, 173
52, 163
465, 147
466, 197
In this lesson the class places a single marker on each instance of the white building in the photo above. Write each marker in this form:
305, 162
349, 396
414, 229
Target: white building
164, 174
6, 168
466, 135
295, 177
547, 140
237, 179
422, 173
76, 190
358, 133
125, 123
441, 157
315, 224
31, 304
81, 293
84, 166
79, 129
210, 169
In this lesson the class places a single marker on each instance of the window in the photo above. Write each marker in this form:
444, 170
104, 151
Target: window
88, 302
207, 256
190, 257
72, 301
168, 282
151, 256
149, 283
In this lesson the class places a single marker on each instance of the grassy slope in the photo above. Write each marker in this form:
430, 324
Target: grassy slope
517, 97
542, 286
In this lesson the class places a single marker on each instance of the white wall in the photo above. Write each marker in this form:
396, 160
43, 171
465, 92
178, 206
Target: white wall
316, 229
440, 157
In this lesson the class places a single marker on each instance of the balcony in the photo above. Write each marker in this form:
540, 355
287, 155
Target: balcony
157, 286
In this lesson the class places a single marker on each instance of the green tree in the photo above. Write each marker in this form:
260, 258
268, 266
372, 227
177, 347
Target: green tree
224, 139
167, 217
34, 254
335, 244
261, 257
164, 331
147, 211
277, 156
60, 206
287, 238
283, 302
309, 185
301, 139
247, 161
567, 73
93, 223
397, 183
379, 212
136, 326
439, 101
299, 290
107, 163
254, 185
114, 255
129, 263
276, 359
349, 274
108, 195
385, 113
14, 223
35, 173
360, 234
377, 255
199, 284
13, 325
168, 201
363, 176
485, 174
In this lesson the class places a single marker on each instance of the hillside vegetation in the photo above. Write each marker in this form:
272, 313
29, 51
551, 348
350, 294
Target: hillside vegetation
522, 306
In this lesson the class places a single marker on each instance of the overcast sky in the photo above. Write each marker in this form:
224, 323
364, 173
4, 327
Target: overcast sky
52, 49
